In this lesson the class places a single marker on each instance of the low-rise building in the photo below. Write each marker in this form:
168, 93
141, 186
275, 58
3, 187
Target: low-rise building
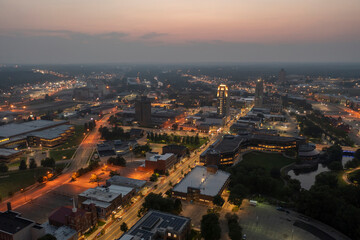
179, 150
126, 182
159, 225
61, 233
308, 152
6, 155
105, 199
223, 152
35, 133
202, 184
15, 227
160, 162
77, 219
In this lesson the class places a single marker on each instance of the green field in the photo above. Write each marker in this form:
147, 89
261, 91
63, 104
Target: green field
266, 160
15, 180
58, 154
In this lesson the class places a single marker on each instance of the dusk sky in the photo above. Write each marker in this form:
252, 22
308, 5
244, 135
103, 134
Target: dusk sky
170, 31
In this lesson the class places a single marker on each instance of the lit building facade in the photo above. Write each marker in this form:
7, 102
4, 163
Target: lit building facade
223, 100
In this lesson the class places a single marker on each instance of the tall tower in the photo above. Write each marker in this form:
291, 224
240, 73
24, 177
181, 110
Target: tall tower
259, 93
282, 76
223, 100
143, 111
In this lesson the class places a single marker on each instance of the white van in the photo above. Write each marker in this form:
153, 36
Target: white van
253, 202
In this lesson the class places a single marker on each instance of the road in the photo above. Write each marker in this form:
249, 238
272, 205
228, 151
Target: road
82, 155
130, 216
346, 174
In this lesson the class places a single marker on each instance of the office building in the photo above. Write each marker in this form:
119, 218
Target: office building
223, 99
224, 151
282, 76
202, 184
143, 111
35, 133
159, 225
259, 93
159, 162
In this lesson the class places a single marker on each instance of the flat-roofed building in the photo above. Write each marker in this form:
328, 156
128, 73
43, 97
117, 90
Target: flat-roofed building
179, 150
126, 182
105, 199
224, 151
159, 225
15, 227
160, 162
48, 133
6, 155
202, 184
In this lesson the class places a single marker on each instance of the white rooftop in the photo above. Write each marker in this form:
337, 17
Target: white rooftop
96, 203
14, 129
209, 183
7, 152
157, 157
61, 233
106, 194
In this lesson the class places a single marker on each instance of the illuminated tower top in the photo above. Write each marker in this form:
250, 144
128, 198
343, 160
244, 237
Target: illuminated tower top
223, 100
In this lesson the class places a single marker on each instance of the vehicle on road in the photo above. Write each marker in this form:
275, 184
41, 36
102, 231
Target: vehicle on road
253, 202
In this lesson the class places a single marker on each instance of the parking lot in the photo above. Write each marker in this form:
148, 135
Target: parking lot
265, 222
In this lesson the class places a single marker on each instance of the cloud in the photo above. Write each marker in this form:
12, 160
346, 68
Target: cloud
71, 35
152, 35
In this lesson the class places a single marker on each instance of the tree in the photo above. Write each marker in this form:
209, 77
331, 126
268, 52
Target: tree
157, 202
48, 162
357, 154
118, 161
23, 165
237, 194
335, 153
3, 167
218, 200
235, 230
175, 126
124, 227
326, 179
47, 237
32, 163
210, 227
335, 166
154, 177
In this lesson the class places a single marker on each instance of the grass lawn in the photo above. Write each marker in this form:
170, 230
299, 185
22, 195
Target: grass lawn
15, 180
75, 139
266, 160
58, 154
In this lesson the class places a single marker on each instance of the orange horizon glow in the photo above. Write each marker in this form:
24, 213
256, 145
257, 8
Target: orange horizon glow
182, 21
